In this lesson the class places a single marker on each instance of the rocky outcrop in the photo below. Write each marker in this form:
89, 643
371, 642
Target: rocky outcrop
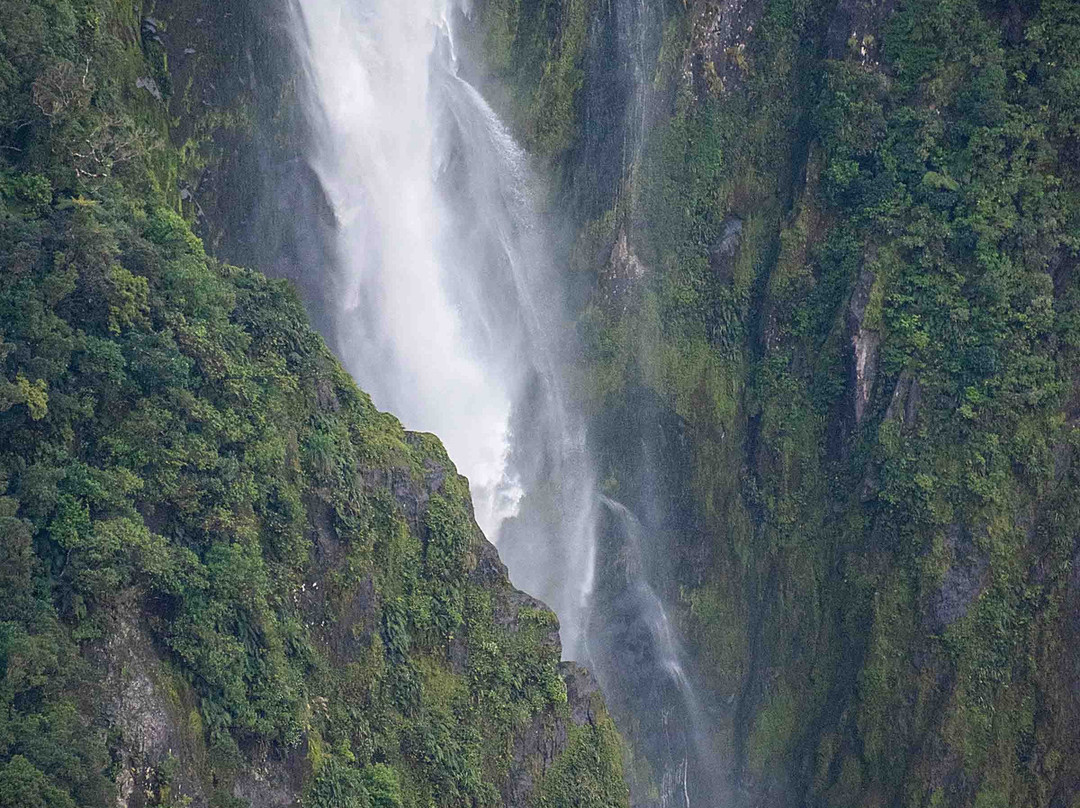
904, 404
717, 60
963, 581
149, 708
538, 746
723, 252
864, 345
154, 714
855, 29
622, 274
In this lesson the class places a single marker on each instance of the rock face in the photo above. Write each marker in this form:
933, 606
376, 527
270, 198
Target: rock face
163, 755
964, 580
718, 60
623, 273
154, 715
863, 520
537, 748
856, 27
227, 580
904, 404
864, 343
146, 710
861, 505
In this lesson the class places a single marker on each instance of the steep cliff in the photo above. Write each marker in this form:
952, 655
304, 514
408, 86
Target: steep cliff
225, 578
822, 255
828, 316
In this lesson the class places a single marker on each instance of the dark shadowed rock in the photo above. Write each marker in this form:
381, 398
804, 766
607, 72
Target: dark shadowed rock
905, 400
965, 579
725, 250
856, 29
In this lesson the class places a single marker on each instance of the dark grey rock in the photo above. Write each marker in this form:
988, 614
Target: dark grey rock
724, 251
964, 581
856, 28
905, 400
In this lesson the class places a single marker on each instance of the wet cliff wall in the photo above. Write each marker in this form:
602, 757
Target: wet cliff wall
827, 318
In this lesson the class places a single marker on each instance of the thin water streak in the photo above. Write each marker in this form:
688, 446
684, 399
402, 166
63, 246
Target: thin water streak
640, 602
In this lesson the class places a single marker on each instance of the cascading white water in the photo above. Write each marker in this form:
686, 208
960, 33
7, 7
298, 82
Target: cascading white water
398, 329
449, 312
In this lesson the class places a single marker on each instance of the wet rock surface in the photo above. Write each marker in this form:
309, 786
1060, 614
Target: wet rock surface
717, 60
622, 275
723, 253
965, 579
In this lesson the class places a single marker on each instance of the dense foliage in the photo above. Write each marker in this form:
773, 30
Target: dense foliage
183, 461
906, 336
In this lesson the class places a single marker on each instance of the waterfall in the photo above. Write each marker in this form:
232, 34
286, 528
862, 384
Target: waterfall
450, 313
641, 664
448, 309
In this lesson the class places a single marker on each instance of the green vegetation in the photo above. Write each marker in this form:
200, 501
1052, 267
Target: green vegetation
537, 50
182, 457
886, 585
859, 305
581, 778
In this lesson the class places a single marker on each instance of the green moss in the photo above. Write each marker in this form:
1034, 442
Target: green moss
886, 678
926, 166
588, 774
720, 631
176, 443
543, 72
773, 730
